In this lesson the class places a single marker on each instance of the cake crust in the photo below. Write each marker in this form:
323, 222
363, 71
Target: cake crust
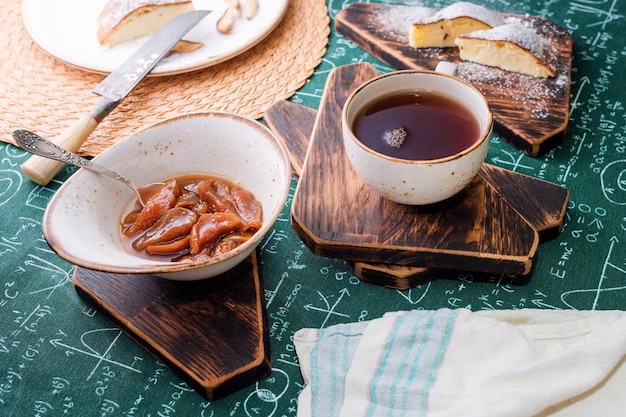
512, 47
441, 28
123, 20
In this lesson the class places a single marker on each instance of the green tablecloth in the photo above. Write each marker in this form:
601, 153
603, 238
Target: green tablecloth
60, 357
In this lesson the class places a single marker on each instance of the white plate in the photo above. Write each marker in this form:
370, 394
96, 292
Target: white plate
66, 29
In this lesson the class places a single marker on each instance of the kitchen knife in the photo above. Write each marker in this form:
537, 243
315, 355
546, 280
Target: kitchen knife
117, 85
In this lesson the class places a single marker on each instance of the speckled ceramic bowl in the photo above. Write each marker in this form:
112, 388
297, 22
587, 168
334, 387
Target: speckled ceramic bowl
82, 220
416, 182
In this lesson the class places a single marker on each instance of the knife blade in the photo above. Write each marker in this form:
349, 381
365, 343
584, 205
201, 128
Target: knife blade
113, 89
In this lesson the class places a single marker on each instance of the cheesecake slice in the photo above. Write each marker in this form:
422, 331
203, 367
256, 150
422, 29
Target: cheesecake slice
124, 20
511, 47
441, 28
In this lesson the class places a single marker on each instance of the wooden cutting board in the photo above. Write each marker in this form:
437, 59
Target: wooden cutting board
530, 113
211, 333
293, 123
478, 231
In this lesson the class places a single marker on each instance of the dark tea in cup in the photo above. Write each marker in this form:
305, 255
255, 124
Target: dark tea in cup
416, 125
415, 136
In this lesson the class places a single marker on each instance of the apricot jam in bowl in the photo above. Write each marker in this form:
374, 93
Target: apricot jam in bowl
225, 180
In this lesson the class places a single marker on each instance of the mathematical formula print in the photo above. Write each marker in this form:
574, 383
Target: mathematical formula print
62, 357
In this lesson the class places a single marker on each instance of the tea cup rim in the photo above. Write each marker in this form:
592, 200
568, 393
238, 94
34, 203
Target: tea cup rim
484, 135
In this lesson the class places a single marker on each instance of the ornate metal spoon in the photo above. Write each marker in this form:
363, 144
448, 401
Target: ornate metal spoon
37, 145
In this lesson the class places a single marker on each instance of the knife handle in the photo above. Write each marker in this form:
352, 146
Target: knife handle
41, 170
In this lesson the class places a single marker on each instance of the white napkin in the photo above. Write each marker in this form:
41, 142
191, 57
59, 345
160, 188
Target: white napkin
451, 363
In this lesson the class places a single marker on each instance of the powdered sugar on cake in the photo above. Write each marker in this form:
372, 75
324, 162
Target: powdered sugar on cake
122, 20
521, 36
464, 9
531, 93
116, 10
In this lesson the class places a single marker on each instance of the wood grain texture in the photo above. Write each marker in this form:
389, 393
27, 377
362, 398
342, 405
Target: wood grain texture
477, 230
399, 277
542, 203
210, 333
530, 113
293, 124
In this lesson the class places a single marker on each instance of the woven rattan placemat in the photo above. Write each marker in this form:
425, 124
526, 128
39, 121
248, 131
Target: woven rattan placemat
40, 93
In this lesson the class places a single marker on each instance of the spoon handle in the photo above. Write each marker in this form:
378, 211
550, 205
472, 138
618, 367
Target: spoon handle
37, 145
41, 170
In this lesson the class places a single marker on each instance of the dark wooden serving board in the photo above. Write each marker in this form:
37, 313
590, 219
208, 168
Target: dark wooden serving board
481, 231
530, 113
210, 333
293, 123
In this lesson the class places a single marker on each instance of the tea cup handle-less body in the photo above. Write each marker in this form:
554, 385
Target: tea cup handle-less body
417, 181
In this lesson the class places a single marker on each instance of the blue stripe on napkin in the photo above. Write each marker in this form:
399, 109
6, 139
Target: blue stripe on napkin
409, 363
330, 361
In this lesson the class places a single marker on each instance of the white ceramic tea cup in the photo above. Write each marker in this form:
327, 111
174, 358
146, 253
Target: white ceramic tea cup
408, 181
